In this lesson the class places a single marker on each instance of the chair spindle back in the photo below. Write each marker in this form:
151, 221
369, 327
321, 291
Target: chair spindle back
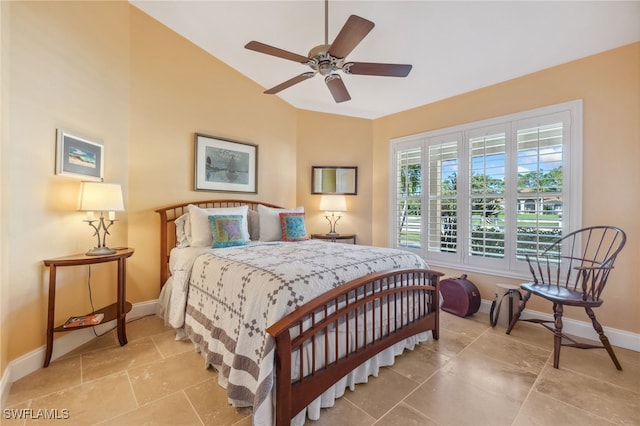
579, 261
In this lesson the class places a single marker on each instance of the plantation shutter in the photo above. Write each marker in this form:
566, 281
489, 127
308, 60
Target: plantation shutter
487, 164
540, 188
442, 222
409, 197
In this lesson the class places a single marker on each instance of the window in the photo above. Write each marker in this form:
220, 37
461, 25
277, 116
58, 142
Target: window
482, 196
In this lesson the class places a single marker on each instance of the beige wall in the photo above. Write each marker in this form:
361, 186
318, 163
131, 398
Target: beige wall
4, 270
335, 140
609, 85
63, 66
176, 90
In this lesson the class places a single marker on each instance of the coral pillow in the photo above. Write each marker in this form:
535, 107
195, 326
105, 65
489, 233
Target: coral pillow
227, 231
293, 227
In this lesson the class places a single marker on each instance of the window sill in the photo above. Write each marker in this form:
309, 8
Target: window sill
518, 275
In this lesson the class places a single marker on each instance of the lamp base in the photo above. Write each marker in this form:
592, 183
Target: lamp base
100, 251
332, 234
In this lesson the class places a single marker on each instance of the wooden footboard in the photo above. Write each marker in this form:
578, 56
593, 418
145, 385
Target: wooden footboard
409, 298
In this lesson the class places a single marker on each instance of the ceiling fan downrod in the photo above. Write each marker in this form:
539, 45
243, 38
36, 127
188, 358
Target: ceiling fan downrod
326, 22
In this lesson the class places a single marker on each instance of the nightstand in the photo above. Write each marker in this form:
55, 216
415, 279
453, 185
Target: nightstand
117, 311
334, 238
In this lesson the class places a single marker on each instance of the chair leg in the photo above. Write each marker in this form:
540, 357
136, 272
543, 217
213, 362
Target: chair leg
516, 316
558, 309
603, 338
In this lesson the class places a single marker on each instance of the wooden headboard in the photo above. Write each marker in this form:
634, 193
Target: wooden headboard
169, 214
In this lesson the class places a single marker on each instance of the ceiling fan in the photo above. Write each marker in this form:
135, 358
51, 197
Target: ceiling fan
326, 58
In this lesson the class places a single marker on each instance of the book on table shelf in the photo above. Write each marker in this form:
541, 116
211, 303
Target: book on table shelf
83, 321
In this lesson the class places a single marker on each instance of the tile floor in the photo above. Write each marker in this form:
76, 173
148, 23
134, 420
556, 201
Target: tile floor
474, 375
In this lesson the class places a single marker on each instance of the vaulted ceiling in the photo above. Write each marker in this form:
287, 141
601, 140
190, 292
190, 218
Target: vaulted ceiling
454, 46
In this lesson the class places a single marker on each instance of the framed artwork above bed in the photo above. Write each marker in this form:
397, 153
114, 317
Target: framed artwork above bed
224, 165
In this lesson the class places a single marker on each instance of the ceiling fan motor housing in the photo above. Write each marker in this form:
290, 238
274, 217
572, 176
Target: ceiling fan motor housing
322, 61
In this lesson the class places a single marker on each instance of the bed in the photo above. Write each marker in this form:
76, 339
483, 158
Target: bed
288, 325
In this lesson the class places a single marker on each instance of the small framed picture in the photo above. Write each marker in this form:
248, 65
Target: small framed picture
78, 157
223, 165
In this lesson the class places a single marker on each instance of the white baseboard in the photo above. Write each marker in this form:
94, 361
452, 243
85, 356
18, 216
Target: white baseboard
583, 329
32, 361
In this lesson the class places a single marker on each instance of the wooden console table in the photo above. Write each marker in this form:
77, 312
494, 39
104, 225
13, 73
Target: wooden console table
117, 311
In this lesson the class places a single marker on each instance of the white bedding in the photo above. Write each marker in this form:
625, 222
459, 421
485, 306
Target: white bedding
224, 299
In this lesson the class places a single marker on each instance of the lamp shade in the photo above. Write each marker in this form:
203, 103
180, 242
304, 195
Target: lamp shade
101, 197
333, 203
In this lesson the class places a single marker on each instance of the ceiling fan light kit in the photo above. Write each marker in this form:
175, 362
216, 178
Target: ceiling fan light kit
327, 59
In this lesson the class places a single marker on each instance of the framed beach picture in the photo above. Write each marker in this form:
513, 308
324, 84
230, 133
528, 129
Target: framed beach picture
79, 157
223, 165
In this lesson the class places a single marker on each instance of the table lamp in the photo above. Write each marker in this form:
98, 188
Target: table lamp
332, 204
101, 197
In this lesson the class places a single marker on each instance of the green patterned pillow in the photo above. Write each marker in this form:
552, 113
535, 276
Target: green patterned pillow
293, 227
227, 231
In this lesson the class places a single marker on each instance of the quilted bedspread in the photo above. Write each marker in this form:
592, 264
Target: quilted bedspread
234, 294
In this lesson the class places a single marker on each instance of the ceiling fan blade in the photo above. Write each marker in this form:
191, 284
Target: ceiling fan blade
372, 68
295, 80
274, 51
337, 88
352, 33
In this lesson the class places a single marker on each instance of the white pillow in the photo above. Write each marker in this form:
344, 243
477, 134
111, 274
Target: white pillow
201, 229
183, 231
270, 229
254, 225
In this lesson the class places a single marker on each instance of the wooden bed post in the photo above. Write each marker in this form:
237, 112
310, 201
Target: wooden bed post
283, 383
435, 304
164, 273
